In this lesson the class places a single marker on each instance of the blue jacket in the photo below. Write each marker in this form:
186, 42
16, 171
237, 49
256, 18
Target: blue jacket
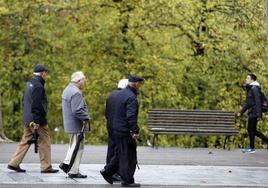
110, 111
122, 112
35, 102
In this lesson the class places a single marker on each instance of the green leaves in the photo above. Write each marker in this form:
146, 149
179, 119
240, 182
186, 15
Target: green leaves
193, 55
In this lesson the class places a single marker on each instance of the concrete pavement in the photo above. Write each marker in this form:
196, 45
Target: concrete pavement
148, 175
163, 167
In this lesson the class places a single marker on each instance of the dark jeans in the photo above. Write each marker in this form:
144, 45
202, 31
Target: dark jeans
252, 132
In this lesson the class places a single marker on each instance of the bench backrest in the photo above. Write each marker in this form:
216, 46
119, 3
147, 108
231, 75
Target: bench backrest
209, 122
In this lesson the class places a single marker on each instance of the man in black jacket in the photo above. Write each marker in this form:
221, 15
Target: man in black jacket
34, 118
253, 105
112, 160
125, 131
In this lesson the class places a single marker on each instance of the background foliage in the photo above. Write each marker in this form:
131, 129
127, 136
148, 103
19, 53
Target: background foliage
193, 54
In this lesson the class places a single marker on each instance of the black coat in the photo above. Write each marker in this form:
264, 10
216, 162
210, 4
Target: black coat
110, 111
253, 102
35, 102
122, 111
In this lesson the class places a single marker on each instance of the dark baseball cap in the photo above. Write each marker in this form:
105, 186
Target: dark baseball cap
135, 78
40, 68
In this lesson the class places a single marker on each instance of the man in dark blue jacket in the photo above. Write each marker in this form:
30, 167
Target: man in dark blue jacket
34, 118
125, 130
253, 106
112, 152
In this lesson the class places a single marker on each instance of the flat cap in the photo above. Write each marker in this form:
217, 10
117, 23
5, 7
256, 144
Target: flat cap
135, 78
40, 68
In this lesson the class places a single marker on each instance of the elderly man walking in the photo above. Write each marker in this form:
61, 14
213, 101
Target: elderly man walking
75, 118
34, 118
112, 160
125, 132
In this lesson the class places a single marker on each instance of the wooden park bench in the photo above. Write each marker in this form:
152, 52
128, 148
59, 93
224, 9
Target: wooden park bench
191, 122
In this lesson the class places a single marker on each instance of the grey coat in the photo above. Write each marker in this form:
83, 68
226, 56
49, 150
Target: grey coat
74, 109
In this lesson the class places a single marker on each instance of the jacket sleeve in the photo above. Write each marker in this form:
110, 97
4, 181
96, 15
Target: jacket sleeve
132, 113
245, 108
37, 107
257, 97
79, 108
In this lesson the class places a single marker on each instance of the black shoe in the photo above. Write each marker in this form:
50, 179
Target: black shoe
77, 175
124, 184
50, 170
116, 177
106, 177
64, 167
17, 169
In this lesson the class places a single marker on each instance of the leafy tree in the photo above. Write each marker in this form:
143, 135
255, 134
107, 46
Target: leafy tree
193, 55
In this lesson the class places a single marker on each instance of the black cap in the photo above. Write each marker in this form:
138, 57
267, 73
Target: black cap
134, 78
40, 68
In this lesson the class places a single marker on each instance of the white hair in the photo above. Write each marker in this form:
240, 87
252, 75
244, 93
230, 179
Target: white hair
122, 84
76, 76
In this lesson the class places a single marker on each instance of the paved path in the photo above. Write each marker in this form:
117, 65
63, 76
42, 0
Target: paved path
148, 155
163, 167
148, 175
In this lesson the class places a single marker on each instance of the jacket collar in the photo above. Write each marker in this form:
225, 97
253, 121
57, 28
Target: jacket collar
133, 90
40, 79
255, 83
73, 84
249, 86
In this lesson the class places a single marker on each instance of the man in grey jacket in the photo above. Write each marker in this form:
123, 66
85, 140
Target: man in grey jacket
75, 116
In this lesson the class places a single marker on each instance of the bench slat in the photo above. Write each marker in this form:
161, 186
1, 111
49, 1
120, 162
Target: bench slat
191, 129
195, 131
157, 122
187, 127
210, 112
194, 124
199, 133
191, 115
191, 126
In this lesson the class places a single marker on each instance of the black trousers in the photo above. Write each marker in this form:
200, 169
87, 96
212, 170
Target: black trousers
252, 132
112, 158
127, 153
111, 150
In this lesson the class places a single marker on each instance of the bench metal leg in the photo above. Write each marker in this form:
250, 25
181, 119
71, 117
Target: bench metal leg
155, 139
156, 144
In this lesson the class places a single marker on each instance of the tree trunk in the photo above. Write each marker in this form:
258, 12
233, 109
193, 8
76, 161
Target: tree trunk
3, 137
